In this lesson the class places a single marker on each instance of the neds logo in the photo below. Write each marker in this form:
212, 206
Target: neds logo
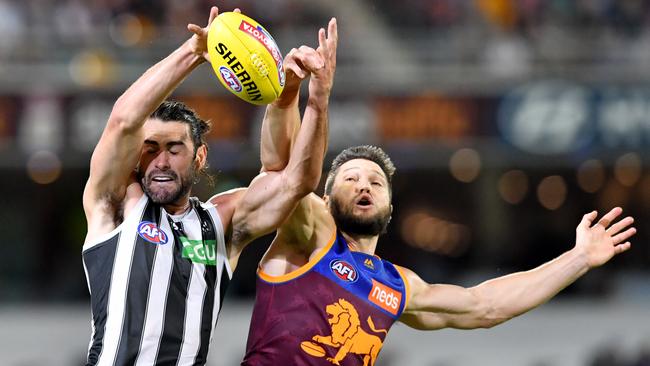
385, 297
344, 270
151, 233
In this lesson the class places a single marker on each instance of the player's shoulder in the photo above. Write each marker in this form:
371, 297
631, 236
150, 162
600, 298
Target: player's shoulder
409, 276
227, 197
226, 202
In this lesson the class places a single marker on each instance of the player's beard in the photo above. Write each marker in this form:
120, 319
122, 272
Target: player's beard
183, 185
347, 222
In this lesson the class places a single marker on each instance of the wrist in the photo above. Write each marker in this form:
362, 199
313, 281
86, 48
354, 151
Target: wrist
319, 102
286, 100
189, 54
580, 258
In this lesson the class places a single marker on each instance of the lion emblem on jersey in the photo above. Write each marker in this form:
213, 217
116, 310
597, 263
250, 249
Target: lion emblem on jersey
348, 336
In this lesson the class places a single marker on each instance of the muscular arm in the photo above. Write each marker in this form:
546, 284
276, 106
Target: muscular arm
497, 300
282, 118
281, 123
273, 195
117, 152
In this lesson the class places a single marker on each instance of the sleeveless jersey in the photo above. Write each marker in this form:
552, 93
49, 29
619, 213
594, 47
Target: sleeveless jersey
337, 309
156, 286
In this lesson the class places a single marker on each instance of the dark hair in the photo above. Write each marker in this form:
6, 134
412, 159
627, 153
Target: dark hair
175, 111
368, 152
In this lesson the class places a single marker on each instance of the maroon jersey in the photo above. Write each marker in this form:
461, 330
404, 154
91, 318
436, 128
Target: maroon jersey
336, 309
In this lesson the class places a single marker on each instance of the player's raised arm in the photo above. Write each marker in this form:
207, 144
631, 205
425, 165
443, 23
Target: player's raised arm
273, 195
117, 152
282, 118
497, 300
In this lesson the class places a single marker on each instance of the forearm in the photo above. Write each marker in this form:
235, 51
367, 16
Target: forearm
307, 155
279, 131
153, 87
512, 295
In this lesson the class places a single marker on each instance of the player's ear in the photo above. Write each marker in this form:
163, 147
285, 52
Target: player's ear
326, 198
201, 156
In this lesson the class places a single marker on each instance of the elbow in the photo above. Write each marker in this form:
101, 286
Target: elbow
272, 165
122, 120
301, 185
488, 323
310, 181
487, 314
303, 188
487, 318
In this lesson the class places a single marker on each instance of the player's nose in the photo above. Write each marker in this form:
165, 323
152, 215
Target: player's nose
162, 160
363, 185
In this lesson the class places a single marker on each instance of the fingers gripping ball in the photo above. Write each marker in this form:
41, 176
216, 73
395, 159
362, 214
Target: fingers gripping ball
245, 58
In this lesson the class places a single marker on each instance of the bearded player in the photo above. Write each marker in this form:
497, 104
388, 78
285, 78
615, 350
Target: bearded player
323, 296
156, 260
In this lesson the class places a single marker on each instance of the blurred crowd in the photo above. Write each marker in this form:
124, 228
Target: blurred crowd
541, 30
627, 17
61, 23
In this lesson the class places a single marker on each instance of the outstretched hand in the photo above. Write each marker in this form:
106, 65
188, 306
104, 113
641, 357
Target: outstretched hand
199, 41
322, 79
303, 62
601, 242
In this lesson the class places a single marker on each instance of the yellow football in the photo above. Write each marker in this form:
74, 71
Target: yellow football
245, 58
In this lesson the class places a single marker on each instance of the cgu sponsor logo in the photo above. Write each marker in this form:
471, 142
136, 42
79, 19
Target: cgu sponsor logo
344, 270
385, 297
262, 36
230, 79
199, 251
151, 233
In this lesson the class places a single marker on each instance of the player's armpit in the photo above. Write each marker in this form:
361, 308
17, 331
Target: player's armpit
423, 320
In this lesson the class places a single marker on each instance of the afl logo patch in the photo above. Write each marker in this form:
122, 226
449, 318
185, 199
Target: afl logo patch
230, 78
344, 270
151, 233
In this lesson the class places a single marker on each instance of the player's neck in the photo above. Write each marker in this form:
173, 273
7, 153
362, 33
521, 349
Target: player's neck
362, 243
178, 207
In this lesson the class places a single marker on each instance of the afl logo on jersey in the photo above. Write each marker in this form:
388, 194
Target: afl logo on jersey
344, 270
151, 233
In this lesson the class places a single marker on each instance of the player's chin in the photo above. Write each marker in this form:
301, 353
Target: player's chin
162, 195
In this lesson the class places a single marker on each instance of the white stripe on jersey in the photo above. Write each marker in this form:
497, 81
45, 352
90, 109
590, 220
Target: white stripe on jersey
92, 323
155, 316
195, 298
120, 285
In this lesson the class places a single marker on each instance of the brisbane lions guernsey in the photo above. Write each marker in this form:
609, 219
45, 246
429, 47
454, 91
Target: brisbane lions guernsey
156, 284
337, 309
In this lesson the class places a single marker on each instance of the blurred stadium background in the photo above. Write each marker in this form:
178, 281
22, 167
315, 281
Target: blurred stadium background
507, 120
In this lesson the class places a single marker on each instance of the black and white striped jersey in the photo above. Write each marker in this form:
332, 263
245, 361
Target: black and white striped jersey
156, 286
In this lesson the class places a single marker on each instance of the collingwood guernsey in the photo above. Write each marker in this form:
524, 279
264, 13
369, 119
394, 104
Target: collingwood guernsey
156, 284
